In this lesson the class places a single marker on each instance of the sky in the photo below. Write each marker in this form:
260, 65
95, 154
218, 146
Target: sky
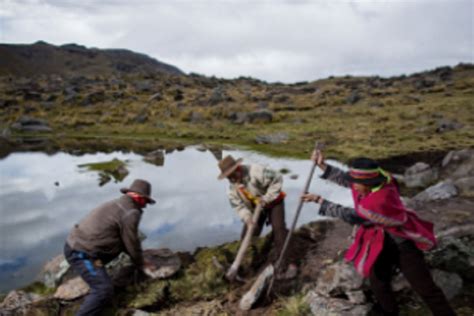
272, 40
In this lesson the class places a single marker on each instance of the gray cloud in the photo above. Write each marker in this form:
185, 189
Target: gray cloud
271, 40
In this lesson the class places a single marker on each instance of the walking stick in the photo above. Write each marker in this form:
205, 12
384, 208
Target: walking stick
317, 146
232, 272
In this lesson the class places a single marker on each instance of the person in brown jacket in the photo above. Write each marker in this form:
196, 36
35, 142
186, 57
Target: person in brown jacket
101, 236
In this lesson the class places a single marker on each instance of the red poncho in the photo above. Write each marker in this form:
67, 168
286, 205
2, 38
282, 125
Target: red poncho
386, 211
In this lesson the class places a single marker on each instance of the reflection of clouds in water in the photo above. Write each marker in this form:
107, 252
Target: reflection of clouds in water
192, 207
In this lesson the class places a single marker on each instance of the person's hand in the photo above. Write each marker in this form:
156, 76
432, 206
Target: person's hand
308, 197
262, 202
318, 158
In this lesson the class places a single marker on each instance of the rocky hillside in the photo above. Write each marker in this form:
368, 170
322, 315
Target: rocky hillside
427, 113
45, 59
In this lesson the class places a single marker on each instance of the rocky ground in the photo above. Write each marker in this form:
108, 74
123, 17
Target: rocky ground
193, 284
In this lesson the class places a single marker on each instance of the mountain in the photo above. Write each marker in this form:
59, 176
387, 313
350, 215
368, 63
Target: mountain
42, 58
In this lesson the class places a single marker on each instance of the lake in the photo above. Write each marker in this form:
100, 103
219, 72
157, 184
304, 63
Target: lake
42, 196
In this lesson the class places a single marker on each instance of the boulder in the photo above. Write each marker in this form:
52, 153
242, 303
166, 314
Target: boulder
72, 289
442, 190
167, 263
338, 278
450, 283
445, 125
454, 255
420, 175
260, 116
325, 306
353, 98
30, 124
465, 186
276, 138
458, 164
17, 299
53, 272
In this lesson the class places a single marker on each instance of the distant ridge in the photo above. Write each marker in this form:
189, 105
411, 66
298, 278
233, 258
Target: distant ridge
43, 58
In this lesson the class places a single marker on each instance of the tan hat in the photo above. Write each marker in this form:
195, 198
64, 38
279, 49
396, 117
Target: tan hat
141, 187
227, 166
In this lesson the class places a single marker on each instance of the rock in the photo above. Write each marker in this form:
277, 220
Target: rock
93, 98
420, 175
276, 138
257, 289
138, 312
195, 117
156, 157
72, 289
218, 95
454, 255
458, 164
53, 271
178, 95
166, 262
324, 306
238, 117
465, 186
442, 190
446, 125
353, 98
260, 116
450, 283
356, 297
143, 86
338, 278
156, 97
424, 83
17, 299
30, 124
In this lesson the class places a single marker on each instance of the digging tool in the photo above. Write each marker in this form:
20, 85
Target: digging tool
232, 272
318, 146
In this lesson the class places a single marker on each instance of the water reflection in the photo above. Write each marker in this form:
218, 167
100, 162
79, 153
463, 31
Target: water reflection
43, 196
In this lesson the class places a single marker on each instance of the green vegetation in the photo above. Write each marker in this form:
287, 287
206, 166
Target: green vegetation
293, 305
114, 168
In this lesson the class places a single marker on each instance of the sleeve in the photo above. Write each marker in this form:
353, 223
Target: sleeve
238, 205
273, 181
130, 237
347, 214
335, 175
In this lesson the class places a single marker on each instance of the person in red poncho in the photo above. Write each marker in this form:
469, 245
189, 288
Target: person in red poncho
389, 234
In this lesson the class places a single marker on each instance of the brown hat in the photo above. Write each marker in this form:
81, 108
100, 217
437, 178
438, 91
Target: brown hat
227, 166
141, 187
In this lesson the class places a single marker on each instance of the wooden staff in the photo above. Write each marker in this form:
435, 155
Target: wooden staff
232, 272
317, 146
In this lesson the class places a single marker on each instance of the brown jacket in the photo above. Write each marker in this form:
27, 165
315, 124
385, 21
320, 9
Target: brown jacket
108, 230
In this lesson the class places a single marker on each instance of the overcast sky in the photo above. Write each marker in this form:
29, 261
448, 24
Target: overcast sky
277, 40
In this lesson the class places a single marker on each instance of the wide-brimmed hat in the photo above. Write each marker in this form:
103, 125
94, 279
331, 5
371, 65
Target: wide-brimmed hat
227, 166
141, 187
365, 171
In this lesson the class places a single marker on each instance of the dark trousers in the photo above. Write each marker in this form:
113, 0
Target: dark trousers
412, 264
276, 217
101, 288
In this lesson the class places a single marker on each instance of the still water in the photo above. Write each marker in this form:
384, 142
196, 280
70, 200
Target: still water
42, 196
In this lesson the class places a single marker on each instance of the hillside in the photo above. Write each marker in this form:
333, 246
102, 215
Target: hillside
42, 58
426, 113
